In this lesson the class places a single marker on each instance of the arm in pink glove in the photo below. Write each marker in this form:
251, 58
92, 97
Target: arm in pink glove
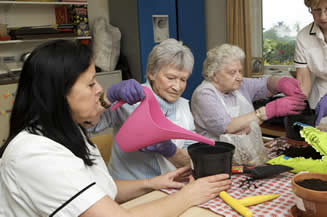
288, 105
290, 87
166, 148
321, 109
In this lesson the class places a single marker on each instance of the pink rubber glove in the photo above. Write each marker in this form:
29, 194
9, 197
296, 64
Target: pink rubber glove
290, 87
288, 105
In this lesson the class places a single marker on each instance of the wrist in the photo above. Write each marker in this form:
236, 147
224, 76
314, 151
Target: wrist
269, 109
279, 85
104, 101
180, 158
153, 183
148, 184
261, 114
187, 196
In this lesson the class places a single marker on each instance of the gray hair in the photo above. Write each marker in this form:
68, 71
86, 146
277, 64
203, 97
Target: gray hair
170, 52
218, 56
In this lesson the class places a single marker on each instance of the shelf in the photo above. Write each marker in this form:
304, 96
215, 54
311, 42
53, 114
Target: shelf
41, 3
46, 39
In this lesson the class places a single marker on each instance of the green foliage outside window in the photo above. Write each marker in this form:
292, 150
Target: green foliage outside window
278, 45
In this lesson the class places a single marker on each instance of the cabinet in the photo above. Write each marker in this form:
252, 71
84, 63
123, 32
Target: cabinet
7, 96
27, 13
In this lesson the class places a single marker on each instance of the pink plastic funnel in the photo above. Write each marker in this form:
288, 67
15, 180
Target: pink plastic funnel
147, 125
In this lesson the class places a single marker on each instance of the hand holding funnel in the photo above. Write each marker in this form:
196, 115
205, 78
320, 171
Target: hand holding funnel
147, 125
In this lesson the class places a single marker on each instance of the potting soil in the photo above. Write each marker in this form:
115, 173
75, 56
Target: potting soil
313, 184
305, 151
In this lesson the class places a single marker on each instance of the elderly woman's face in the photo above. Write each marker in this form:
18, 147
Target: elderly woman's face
169, 83
83, 98
320, 15
229, 78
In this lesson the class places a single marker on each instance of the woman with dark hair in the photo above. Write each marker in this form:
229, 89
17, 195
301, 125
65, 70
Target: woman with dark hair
49, 167
42, 79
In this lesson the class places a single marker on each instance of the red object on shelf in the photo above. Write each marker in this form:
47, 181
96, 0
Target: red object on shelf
74, 1
85, 41
5, 37
65, 30
62, 15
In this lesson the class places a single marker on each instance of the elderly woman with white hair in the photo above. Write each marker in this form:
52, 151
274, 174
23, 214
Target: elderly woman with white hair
170, 64
222, 103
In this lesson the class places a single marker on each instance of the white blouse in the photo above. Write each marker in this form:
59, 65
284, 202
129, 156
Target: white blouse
39, 177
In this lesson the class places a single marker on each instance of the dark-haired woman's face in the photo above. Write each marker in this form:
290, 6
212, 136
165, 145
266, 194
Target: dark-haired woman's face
83, 98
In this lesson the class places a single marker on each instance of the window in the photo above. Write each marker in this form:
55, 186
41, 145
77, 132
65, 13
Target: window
276, 23
282, 20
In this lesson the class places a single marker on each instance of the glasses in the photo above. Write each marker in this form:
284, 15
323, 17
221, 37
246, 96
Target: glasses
318, 11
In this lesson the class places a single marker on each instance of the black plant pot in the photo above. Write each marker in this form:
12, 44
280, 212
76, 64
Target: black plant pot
308, 116
210, 160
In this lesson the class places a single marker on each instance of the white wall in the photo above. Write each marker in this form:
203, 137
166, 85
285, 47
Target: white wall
97, 8
216, 27
256, 27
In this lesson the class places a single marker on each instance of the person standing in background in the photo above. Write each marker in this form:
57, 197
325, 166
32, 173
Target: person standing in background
310, 58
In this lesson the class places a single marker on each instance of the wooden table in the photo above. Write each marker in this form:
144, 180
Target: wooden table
154, 195
272, 130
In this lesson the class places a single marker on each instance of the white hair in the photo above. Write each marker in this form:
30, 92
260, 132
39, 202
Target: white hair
172, 53
218, 56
